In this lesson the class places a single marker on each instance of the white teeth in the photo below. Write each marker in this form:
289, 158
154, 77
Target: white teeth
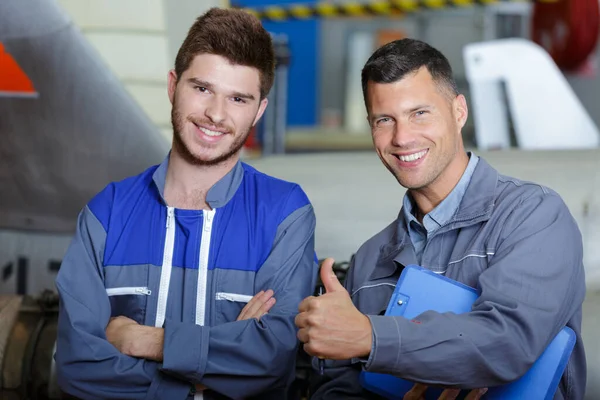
412, 157
208, 132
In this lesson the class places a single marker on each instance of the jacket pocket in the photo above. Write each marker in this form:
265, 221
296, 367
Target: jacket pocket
129, 302
229, 306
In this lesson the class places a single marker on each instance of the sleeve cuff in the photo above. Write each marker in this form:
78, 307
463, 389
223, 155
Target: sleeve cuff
163, 386
385, 350
185, 349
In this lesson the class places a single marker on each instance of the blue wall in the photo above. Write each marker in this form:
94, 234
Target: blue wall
303, 75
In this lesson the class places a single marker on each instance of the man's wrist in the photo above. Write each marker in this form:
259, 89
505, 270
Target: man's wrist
147, 342
367, 339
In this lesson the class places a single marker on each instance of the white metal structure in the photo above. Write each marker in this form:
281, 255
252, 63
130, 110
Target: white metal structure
544, 109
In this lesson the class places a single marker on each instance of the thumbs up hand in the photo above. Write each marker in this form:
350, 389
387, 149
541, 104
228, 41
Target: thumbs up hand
329, 278
330, 326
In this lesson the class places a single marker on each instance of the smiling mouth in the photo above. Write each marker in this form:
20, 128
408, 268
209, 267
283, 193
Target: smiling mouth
411, 157
209, 132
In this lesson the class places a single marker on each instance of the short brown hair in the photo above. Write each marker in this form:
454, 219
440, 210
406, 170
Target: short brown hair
235, 35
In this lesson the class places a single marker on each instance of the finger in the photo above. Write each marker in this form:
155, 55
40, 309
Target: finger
251, 309
266, 307
305, 304
301, 320
310, 350
252, 304
417, 391
449, 394
328, 277
302, 335
242, 314
476, 394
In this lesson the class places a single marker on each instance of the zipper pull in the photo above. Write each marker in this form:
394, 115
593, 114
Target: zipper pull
170, 213
209, 216
145, 291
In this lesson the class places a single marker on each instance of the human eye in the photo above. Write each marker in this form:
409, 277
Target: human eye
382, 121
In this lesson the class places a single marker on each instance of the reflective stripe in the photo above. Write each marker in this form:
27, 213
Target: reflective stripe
128, 290
242, 298
203, 265
165, 272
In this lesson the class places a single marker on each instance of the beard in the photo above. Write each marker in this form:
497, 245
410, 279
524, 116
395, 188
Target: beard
179, 145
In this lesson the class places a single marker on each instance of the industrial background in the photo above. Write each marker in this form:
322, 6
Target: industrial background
83, 84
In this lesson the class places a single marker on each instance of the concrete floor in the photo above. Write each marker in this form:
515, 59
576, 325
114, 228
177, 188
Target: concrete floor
355, 196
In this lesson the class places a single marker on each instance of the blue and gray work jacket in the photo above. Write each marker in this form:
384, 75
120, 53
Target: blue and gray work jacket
190, 272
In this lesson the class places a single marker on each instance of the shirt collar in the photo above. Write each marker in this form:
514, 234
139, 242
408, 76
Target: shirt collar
441, 214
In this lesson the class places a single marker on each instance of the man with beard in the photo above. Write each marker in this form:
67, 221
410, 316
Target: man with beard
185, 280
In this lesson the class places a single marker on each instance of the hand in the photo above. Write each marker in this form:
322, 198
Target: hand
119, 333
418, 393
133, 339
330, 326
258, 306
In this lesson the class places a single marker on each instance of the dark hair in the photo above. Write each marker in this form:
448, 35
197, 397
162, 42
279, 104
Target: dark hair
399, 58
235, 35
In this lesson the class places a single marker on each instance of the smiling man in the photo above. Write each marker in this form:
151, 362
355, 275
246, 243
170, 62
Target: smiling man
184, 281
514, 241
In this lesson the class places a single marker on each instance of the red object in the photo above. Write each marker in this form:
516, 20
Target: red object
13, 81
251, 142
567, 29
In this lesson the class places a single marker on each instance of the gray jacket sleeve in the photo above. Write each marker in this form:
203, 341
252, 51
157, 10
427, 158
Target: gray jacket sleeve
528, 290
260, 355
88, 366
340, 377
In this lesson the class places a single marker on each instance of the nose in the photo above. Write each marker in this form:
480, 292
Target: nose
402, 136
215, 111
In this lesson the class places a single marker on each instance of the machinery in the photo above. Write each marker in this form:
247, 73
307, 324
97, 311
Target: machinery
28, 329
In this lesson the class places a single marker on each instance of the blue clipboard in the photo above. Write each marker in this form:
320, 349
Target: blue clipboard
419, 290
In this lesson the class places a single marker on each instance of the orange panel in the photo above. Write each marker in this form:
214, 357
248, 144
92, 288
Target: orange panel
12, 78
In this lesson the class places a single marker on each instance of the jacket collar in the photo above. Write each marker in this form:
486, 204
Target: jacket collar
218, 195
476, 206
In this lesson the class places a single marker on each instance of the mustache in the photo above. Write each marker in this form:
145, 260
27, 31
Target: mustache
209, 123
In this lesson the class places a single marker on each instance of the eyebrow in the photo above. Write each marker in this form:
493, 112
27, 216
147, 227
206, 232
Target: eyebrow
210, 86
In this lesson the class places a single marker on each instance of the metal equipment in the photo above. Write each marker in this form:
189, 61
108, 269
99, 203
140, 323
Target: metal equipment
28, 328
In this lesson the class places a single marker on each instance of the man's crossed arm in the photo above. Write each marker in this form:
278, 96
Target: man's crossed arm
147, 342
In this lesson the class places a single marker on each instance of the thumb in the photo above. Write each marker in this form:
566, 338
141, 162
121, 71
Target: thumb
328, 277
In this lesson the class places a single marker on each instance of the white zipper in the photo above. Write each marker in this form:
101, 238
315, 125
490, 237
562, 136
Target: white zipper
203, 273
203, 265
128, 290
165, 272
242, 298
